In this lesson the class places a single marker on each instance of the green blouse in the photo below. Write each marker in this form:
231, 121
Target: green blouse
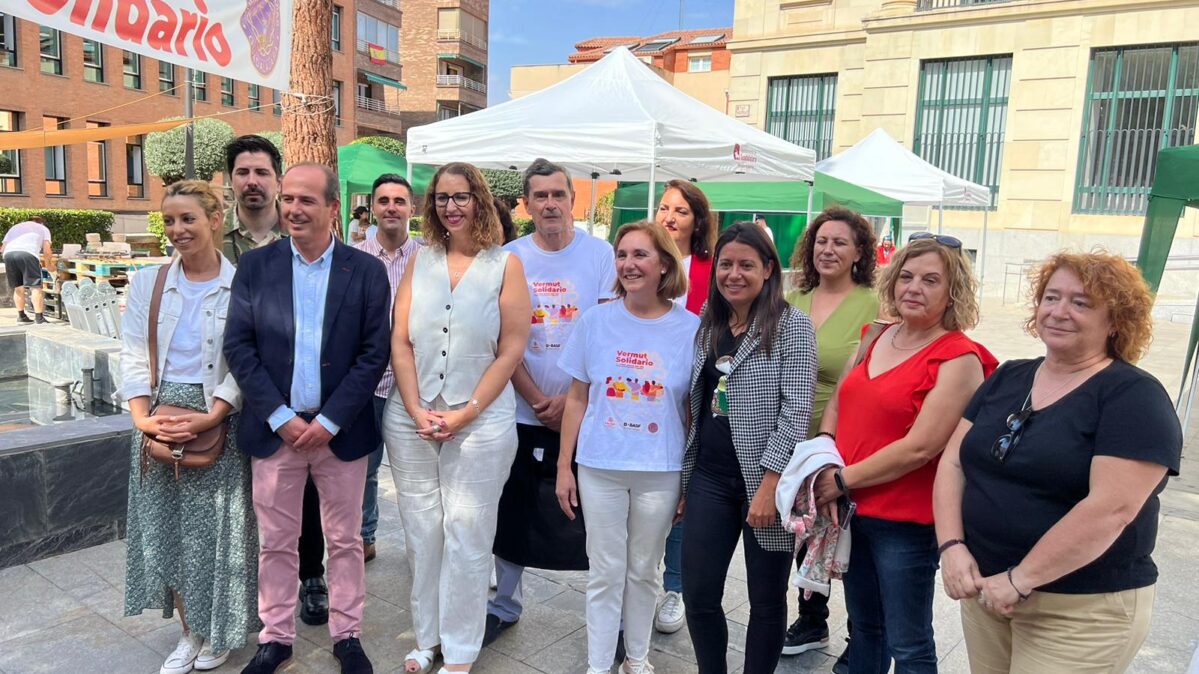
837, 340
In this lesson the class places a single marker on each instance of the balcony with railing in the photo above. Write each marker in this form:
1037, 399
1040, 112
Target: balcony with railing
377, 105
394, 4
389, 55
459, 81
926, 5
454, 35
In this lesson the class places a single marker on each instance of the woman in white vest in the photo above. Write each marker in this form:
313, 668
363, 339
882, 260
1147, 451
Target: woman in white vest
462, 317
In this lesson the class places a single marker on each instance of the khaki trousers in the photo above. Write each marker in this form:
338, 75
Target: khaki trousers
1077, 633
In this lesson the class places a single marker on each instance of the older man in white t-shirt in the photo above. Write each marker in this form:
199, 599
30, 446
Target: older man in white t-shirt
23, 244
568, 272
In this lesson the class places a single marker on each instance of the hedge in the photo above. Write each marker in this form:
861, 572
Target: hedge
385, 143
65, 225
154, 226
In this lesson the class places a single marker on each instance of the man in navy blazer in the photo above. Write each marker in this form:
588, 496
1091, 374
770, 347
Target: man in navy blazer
307, 338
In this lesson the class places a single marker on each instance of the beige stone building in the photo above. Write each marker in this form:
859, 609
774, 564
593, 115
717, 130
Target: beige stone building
1058, 105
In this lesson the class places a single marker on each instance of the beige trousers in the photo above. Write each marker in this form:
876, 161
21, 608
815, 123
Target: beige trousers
1077, 633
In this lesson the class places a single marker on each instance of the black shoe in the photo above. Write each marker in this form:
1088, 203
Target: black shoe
314, 601
40, 319
805, 635
269, 657
620, 654
23, 318
494, 627
841, 666
351, 656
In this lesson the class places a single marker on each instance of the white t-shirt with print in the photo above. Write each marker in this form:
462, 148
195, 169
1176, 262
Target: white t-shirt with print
562, 285
639, 373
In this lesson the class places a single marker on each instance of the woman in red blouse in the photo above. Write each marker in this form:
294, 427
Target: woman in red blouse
891, 418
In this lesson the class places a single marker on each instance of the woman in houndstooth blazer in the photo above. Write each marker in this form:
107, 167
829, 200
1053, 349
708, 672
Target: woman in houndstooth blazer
752, 384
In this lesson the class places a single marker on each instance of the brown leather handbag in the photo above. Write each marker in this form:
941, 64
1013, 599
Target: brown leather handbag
199, 452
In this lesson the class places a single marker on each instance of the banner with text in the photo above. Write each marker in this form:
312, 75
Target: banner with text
248, 40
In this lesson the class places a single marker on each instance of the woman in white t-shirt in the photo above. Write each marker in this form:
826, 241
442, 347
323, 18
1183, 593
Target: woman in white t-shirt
625, 412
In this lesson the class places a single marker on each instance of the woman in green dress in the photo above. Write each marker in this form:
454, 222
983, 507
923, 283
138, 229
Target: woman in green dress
192, 539
835, 260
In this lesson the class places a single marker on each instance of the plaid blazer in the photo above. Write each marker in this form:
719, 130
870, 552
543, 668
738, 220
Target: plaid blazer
770, 405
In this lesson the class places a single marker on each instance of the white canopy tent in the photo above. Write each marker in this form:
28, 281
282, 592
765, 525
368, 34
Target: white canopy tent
880, 163
619, 120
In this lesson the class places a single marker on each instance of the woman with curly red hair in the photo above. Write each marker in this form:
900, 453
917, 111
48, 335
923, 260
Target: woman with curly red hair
1046, 499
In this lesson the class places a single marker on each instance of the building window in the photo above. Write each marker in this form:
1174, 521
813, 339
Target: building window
97, 164
8, 40
199, 85
56, 161
1139, 100
166, 77
699, 64
444, 113
802, 110
93, 61
133, 70
254, 96
51, 45
372, 31
961, 115
276, 102
135, 168
10, 160
227, 92
336, 102
336, 26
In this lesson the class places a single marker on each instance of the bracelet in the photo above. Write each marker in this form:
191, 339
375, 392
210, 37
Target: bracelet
949, 544
830, 435
840, 481
1023, 596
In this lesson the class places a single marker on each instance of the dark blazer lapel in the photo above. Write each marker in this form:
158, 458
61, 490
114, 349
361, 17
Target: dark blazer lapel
341, 270
279, 277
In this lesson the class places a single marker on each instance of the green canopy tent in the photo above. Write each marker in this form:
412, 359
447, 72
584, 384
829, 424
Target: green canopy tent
359, 164
784, 205
1175, 187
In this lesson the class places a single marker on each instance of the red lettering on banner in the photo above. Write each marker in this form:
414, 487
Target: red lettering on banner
128, 26
48, 6
187, 23
103, 14
163, 29
218, 46
198, 39
79, 14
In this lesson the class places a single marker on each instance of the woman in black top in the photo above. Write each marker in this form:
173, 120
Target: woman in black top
751, 400
1046, 499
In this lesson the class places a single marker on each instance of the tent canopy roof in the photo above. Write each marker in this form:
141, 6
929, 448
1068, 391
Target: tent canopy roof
879, 163
1177, 174
774, 197
616, 118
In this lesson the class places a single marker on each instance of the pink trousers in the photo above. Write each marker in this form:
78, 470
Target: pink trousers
278, 502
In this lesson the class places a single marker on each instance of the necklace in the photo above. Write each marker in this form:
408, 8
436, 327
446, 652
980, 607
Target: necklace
909, 348
1051, 395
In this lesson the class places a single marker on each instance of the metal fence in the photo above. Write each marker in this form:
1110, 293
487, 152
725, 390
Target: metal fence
460, 81
377, 105
961, 116
1139, 100
925, 5
802, 109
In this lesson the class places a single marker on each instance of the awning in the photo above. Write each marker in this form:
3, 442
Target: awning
460, 57
386, 81
22, 140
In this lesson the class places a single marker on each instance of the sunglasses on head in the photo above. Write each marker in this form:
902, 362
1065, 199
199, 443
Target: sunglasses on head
943, 239
1016, 422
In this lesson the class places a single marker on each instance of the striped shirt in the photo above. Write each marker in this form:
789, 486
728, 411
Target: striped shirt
395, 271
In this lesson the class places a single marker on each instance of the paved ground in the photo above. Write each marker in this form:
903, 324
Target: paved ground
64, 614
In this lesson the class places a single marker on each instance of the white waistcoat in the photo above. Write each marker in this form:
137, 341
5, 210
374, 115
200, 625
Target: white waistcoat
455, 334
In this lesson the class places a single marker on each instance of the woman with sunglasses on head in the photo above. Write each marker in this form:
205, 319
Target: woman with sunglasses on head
890, 418
461, 321
1047, 497
751, 400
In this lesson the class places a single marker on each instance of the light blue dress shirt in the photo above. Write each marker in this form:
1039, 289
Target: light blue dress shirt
309, 290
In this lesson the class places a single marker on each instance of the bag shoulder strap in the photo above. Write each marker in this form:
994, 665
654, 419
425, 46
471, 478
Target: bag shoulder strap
160, 282
876, 328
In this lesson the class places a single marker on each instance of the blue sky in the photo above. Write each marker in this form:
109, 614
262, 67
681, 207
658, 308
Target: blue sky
527, 32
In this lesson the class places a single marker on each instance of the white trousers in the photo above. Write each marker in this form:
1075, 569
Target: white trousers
628, 518
449, 494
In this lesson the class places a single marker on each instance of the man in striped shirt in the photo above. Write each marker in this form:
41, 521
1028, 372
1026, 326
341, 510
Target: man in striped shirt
391, 204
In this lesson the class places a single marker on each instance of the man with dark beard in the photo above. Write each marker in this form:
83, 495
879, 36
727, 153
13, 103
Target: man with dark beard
254, 166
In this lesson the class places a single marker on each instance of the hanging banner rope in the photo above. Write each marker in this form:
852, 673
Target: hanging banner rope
248, 40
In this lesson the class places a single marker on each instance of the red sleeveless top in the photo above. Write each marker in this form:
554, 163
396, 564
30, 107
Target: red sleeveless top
697, 283
874, 412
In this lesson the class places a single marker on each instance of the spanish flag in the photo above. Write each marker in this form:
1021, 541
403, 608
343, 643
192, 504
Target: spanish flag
377, 53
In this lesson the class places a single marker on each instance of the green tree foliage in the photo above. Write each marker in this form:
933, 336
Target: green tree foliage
65, 225
275, 137
164, 150
385, 143
5, 164
504, 184
155, 226
603, 208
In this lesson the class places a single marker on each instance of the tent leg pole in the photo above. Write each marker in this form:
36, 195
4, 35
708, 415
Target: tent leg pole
1186, 415
811, 189
653, 166
982, 257
940, 217
591, 220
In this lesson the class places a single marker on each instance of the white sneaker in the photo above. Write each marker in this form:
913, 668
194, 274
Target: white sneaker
672, 615
638, 666
207, 660
181, 660
493, 584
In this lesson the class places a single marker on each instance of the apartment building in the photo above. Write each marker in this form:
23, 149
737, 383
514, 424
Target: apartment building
1059, 106
445, 59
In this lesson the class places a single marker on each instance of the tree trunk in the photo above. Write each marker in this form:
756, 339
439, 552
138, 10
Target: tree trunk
308, 133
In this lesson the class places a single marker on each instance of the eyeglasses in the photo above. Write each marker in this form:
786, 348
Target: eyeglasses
944, 240
460, 199
1016, 421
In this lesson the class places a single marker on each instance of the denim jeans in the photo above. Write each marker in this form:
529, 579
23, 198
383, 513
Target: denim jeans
889, 594
370, 495
716, 510
672, 574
